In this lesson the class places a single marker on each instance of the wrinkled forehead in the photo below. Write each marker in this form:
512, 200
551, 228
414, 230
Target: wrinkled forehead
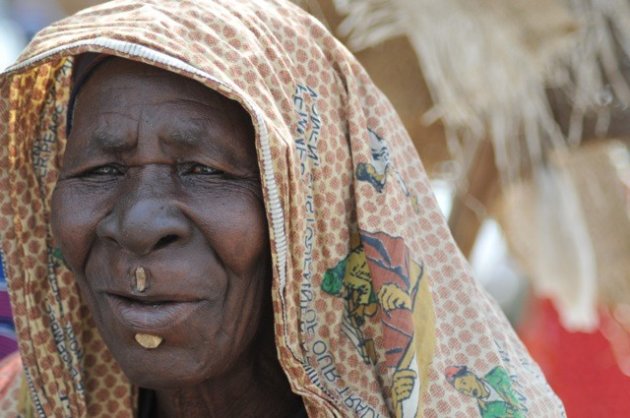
117, 101
101, 69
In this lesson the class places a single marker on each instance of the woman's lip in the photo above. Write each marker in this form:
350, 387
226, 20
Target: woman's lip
150, 315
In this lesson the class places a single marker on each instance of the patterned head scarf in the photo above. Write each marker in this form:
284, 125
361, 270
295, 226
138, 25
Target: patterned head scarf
376, 314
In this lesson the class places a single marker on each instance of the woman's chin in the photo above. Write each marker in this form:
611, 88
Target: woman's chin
166, 362
164, 371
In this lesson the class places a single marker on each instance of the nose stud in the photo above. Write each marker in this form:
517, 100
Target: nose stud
149, 341
140, 276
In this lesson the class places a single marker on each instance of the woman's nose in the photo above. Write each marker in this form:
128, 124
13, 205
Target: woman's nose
142, 224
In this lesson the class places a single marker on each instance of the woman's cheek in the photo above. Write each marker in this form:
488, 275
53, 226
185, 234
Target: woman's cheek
74, 217
234, 224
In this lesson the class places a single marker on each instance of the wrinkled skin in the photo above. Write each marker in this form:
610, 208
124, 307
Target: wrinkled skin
161, 173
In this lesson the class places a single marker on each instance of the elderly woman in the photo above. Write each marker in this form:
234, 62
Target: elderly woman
208, 209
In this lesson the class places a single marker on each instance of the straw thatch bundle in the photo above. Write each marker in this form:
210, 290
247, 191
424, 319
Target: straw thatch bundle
489, 66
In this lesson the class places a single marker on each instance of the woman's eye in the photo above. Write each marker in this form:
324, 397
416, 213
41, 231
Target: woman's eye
105, 170
200, 169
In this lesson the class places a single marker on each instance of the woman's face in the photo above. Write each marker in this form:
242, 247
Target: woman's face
161, 173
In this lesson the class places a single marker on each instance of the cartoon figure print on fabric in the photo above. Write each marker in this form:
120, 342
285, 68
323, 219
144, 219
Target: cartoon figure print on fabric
380, 168
350, 279
496, 398
378, 280
376, 172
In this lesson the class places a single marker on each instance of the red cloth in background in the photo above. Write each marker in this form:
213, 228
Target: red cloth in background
8, 343
581, 367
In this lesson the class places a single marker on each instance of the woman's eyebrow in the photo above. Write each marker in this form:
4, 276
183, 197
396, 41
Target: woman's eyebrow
110, 141
192, 135
193, 132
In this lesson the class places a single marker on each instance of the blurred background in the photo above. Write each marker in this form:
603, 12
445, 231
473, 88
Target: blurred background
520, 113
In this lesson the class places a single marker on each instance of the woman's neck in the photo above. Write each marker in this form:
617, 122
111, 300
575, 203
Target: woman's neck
250, 391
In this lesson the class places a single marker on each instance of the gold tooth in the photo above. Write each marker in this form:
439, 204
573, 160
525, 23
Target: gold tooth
141, 279
149, 341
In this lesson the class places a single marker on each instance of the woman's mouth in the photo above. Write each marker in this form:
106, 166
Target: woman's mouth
151, 315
